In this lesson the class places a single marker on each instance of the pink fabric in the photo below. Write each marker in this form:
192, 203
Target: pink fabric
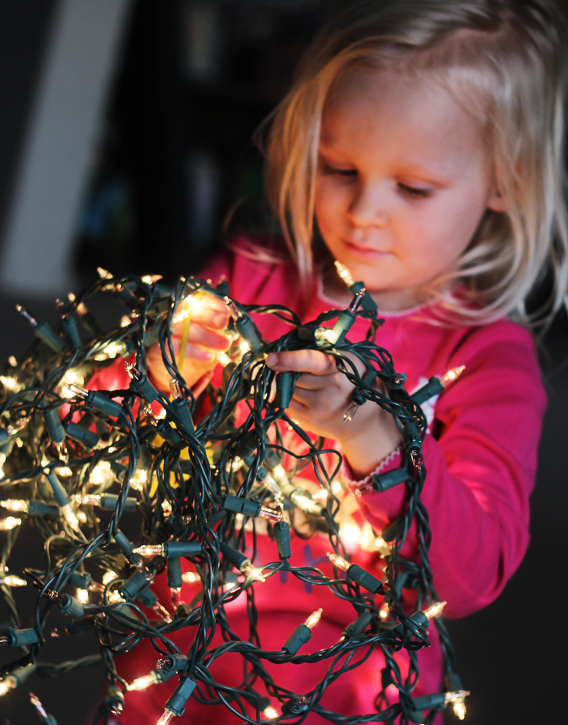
480, 458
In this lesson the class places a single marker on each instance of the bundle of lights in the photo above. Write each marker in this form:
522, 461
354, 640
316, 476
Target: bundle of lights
197, 474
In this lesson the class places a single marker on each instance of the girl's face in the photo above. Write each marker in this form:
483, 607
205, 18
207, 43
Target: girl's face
402, 184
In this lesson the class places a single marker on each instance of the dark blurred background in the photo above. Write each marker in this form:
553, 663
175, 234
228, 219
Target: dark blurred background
125, 138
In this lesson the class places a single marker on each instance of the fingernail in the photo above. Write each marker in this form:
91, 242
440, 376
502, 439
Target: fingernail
207, 355
272, 359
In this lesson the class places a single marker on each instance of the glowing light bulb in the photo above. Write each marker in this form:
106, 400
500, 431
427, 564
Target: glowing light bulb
350, 535
223, 358
190, 577
167, 508
70, 516
382, 546
103, 273
151, 278
175, 389
186, 308
36, 702
125, 321
313, 619
110, 351
237, 463
452, 375
457, 700
10, 580
9, 523
109, 576
149, 550
384, 611
279, 475
244, 347
339, 561
101, 474
114, 598
270, 713
344, 273
14, 504
166, 717
434, 610
65, 471
141, 683
10, 383
249, 570
162, 611
303, 502
138, 480
83, 596
459, 709
70, 377
325, 336
320, 496
6, 685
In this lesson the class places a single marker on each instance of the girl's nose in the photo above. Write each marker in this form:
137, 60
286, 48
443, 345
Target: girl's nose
369, 206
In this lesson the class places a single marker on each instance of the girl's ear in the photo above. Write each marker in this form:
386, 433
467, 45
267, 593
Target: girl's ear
496, 201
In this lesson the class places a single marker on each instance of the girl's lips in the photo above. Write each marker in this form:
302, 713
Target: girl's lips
364, 250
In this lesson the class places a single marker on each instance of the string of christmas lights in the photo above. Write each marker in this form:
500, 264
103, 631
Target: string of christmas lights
198, 471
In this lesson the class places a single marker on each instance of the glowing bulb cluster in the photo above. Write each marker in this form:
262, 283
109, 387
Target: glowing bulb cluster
10, 580
9, 523
139, 479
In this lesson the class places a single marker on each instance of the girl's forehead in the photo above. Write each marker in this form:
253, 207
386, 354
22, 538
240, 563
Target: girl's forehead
411, 110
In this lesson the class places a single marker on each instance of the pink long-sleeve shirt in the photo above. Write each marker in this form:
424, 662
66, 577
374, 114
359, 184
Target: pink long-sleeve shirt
480, 454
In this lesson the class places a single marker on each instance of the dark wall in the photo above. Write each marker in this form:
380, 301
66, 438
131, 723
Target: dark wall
24, 30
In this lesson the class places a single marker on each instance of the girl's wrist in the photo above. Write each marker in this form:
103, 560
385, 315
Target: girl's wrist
376, 439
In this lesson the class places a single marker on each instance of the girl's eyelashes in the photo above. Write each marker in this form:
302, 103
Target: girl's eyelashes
413, 191
338, 171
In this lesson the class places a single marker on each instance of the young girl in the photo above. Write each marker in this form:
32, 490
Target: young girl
421, 146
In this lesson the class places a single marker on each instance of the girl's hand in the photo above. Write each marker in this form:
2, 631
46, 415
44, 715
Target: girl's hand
321, 398
205, 338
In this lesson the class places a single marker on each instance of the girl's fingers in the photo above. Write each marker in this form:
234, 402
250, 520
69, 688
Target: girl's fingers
309, 381
196, 351
302, 361
208, 311
215, 317
200, 335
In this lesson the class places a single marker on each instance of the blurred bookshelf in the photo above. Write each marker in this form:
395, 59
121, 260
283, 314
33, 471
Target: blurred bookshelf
175, 152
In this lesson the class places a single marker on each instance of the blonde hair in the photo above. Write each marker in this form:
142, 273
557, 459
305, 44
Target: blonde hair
504, 60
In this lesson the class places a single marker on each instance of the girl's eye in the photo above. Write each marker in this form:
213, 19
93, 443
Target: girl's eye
335, 171
413, 190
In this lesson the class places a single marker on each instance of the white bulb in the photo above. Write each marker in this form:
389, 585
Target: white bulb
83, 596
9, 523
141, 683
109, 576
166, 717
102, 474
6, 686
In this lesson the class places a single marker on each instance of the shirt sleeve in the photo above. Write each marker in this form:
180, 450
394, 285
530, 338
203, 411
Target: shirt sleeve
481, 465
